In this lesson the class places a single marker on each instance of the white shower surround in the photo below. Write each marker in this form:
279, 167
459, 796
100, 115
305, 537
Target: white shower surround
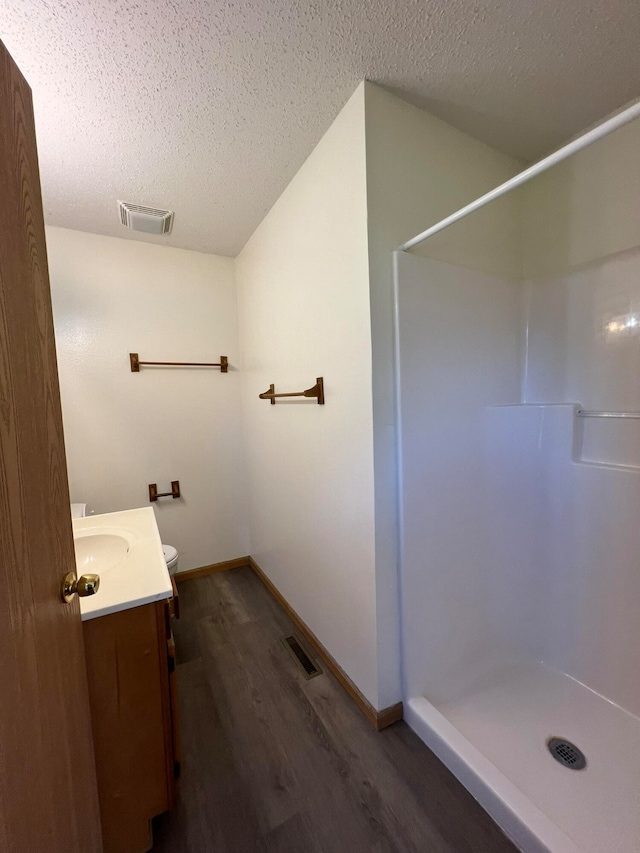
519, 583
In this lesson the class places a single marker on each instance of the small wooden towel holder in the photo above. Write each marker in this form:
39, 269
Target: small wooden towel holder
136, 364
317, 392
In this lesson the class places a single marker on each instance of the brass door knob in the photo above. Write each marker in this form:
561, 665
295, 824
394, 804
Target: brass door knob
82, 586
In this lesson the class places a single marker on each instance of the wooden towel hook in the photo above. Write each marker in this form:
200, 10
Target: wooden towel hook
316, 391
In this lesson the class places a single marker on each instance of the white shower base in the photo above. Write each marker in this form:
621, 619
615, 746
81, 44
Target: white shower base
494, 740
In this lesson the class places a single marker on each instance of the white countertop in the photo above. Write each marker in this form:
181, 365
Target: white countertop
125, 549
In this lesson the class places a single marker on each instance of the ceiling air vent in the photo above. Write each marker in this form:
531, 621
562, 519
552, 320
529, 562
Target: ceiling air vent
150, 220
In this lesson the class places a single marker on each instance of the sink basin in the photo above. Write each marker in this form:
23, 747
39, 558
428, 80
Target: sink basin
125, 550
99, 552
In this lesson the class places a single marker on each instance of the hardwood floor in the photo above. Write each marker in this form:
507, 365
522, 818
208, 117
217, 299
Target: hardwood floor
273, 763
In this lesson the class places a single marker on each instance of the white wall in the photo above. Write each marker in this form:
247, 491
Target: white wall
419, 169
125, 430
584, 209
315, 288
458, 354
304, 312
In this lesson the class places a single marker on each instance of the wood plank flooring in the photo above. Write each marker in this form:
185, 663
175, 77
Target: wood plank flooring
273, 763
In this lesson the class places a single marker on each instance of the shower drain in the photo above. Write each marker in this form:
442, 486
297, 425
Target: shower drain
567, 753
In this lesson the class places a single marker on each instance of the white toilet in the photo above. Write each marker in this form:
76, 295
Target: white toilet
170, 553
171, 558
80, 510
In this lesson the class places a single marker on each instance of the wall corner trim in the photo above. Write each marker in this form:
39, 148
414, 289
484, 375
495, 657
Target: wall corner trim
187, 575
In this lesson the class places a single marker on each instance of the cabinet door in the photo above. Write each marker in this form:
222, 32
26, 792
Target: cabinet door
129, 693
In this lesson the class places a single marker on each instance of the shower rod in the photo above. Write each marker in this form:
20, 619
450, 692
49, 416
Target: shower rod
582, 413
601, 130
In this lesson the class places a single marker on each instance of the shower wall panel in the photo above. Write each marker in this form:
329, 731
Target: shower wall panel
584, 348
458, 352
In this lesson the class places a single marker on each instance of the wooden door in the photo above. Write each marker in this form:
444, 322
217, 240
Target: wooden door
48, 794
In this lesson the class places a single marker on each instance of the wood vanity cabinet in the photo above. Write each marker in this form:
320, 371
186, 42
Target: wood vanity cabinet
131, 673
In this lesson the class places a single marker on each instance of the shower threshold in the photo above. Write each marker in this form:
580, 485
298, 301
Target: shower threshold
494, 739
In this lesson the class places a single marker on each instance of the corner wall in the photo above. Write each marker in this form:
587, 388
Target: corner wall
419, 170
585, 208
125, 430
303, 290
315, 297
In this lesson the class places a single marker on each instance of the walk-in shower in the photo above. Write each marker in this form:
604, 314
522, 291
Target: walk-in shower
518, 398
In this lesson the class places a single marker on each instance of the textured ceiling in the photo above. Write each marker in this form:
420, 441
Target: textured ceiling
210, 107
